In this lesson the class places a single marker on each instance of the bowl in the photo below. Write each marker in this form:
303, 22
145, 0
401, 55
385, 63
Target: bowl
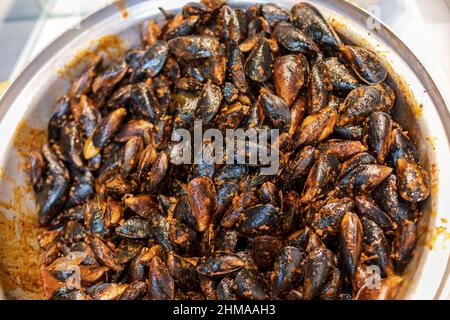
28, 103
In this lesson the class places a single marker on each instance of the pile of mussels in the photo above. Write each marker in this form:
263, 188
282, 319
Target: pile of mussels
122, 221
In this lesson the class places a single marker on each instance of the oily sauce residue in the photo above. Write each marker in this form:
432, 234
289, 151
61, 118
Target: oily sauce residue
19, 251
27, 139
122, 4
19, 228
435, 235
110, 47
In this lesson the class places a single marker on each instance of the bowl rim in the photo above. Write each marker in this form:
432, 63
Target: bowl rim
357, 13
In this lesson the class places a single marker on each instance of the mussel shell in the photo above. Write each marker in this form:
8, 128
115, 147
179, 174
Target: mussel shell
413, 181
288, 270
379, 128
220, 264
364, 63
260, 219
258, 66
308, 19
295, 40
194, 47
290, 72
